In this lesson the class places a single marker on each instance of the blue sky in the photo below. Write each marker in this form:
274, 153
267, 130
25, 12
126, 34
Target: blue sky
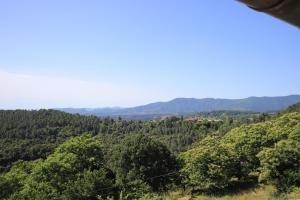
98, 53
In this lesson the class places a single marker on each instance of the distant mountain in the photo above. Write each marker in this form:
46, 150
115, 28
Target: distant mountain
182, 106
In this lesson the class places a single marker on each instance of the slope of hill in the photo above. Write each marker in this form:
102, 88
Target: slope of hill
29, 135
261, 153
182, 106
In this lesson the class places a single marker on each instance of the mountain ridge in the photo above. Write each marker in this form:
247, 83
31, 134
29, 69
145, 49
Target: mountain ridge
183, 106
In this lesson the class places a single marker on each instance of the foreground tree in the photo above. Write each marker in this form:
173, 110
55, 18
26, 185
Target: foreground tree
16, 178
76, 170
280, 165
143, 164
209, 167
216, 163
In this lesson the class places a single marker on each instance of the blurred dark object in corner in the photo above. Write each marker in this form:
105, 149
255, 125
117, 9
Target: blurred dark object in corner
286, 10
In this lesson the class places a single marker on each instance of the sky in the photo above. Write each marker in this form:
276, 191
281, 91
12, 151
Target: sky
105, 53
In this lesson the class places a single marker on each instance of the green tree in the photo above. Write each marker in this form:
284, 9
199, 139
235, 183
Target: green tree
208, 167
218, 162
76, 170
140, 158
280, 165
248, 140
16, 178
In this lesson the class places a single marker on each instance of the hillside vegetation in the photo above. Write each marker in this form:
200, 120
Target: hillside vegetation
222, 162
262, 152
29, 135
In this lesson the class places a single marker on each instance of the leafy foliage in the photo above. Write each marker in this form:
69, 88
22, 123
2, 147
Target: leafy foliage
75, 170
131, 159
248, 141
30, 135
217, 163
141, 160
280, 165
293, 108
209, 167
15, 179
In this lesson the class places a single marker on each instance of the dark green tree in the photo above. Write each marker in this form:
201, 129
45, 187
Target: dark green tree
140, 159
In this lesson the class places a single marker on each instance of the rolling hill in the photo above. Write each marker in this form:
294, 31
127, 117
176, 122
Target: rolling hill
183, 106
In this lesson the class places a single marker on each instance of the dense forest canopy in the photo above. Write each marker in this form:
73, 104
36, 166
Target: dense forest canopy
48, 154
29, 135
237, 158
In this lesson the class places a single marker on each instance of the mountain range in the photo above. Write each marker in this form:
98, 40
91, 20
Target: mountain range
184, 106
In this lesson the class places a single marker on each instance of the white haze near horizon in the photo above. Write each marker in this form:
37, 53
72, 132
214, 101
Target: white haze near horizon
35, 91
22, 91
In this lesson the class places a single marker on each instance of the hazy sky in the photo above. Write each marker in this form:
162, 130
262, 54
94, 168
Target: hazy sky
98, 53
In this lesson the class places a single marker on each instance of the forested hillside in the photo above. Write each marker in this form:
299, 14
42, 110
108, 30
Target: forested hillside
262, 152
92, 158
29, 135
